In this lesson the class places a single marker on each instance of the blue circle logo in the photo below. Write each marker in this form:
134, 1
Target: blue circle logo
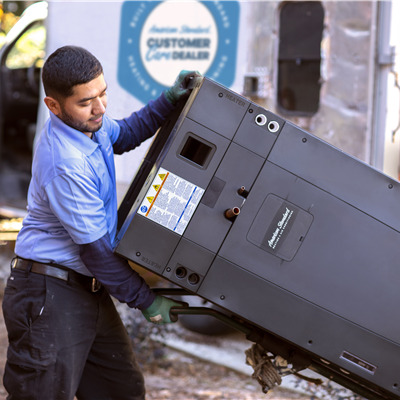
158, 39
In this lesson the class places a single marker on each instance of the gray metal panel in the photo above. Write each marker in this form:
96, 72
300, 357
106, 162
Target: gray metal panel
345, 254
310, 327
339, 174
260, 137
208, 226
186, 169
148, 244
218, 108
188, 265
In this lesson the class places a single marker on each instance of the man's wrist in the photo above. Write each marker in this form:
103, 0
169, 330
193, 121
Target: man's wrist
150, 305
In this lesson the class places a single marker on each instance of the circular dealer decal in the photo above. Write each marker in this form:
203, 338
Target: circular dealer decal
160, 38
168, 38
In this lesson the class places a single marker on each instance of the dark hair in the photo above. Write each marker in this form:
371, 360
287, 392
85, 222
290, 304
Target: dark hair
67, 67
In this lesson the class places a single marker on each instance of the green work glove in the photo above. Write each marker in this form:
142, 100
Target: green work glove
159, 311
180, 88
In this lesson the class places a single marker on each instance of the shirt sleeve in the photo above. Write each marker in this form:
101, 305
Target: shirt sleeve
120, 280
74, 199
142, 124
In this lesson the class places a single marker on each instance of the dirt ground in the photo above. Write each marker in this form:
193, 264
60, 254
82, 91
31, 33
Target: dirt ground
186, 378
193, 380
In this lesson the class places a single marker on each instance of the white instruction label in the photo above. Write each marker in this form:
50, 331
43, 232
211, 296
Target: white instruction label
171, 201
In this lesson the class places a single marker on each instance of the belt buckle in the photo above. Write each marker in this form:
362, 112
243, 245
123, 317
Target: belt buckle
14, 262
96, 285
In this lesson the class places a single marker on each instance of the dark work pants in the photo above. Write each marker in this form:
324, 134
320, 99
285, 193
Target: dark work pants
64, 341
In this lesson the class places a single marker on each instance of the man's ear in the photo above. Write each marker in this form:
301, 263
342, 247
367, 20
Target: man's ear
53, 105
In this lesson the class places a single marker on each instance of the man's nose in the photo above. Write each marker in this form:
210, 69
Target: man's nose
99, 107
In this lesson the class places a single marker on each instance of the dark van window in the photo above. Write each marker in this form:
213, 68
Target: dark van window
299, 59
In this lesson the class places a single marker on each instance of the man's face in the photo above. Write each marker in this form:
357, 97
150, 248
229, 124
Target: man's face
84, 110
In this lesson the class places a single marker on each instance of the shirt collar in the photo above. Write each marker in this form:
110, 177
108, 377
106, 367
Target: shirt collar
77, 138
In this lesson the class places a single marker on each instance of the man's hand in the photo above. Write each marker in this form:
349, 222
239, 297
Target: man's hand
180, 88
159, 311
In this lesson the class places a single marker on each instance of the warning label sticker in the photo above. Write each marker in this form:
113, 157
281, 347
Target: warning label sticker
171, 201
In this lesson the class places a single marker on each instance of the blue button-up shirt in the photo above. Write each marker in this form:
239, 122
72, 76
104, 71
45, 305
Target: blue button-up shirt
72, 196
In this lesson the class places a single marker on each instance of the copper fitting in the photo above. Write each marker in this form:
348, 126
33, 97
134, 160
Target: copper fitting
243, 192
232, 212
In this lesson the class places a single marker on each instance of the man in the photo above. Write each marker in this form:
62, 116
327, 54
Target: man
65, 335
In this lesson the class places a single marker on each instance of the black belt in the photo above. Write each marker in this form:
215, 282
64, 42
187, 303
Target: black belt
56, 272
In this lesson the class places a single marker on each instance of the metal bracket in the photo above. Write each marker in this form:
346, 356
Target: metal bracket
387, 59
240, 326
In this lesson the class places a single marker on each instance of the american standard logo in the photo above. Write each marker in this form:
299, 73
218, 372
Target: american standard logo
280, 228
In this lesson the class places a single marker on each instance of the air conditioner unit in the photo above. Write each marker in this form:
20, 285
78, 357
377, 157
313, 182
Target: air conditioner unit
293, 236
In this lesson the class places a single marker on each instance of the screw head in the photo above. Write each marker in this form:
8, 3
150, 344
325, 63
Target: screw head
222, 297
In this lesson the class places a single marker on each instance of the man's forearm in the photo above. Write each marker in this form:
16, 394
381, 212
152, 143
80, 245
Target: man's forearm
123, 283
142, 124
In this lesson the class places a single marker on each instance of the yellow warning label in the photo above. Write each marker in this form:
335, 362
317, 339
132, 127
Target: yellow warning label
170, 201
